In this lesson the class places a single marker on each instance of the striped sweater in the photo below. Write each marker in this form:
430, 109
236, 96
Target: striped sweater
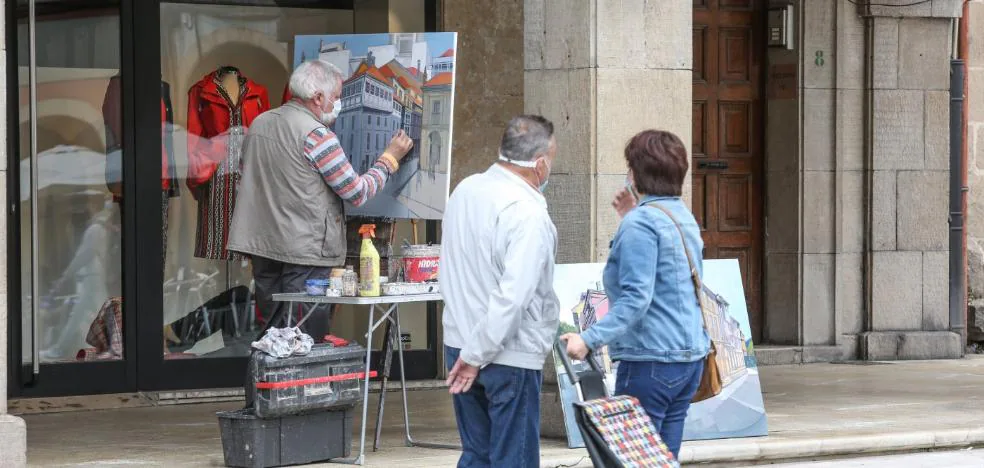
325, 153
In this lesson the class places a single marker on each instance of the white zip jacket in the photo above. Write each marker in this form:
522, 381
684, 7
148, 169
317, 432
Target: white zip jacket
497, 263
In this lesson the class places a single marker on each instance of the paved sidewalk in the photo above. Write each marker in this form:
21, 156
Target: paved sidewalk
816, 410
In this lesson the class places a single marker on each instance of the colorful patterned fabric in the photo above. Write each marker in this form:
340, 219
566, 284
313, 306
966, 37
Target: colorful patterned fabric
325, 152
628, 432
105, 333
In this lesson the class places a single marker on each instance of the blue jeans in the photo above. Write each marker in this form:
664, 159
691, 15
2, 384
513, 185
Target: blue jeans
499, 417
665, 390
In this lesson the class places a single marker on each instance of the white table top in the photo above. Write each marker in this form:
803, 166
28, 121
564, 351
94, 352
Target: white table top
302, 297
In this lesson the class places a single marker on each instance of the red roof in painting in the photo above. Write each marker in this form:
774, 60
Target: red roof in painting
413, 70
387, 71
407, 84
367, 70
440, 79
448, 53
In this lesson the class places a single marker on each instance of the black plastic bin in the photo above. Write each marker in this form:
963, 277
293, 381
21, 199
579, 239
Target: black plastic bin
248, 441
327, 377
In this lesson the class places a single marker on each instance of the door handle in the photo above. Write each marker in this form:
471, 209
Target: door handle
712, 165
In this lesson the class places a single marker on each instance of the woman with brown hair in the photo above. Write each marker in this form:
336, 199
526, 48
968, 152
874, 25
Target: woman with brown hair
654, 328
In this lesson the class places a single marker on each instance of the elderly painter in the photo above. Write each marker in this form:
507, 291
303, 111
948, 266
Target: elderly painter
289, 217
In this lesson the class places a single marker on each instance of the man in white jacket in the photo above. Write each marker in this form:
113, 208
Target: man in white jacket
501, 313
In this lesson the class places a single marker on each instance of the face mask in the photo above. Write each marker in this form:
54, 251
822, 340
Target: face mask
328, 118
529, 165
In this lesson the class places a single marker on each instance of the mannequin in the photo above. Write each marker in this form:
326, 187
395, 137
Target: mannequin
221, 106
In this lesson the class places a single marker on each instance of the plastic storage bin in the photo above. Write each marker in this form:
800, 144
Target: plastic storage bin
248, 441
327, 377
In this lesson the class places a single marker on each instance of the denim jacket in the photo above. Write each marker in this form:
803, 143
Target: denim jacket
654, 314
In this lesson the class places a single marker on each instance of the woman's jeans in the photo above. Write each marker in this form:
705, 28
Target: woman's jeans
665, 390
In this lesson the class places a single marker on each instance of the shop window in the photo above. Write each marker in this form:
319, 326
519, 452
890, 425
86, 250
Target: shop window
80, 154
224, 65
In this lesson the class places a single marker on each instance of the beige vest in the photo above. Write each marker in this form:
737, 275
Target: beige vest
285, 210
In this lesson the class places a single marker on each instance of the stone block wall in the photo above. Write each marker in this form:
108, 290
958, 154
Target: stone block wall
857, 216
910, 169
603, 70
489, 78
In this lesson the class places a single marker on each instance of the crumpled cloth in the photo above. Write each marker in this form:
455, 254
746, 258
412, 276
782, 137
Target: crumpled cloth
285, 342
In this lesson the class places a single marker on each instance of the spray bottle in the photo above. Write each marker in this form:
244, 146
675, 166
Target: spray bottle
368, 263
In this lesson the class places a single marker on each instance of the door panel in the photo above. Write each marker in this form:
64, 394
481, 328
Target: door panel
66, 319
727, 137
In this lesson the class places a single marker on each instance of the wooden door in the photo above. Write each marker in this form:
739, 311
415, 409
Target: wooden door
727, 131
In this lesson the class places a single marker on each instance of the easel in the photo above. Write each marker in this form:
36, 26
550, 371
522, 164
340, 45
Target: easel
388, 343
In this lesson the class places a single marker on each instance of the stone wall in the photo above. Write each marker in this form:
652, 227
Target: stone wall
603, 70
489, 78
857, 216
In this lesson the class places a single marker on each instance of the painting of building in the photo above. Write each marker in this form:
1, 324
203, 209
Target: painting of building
443, 64
738, 411
366, 123
727, 336
336, 54
436, 135
391, 87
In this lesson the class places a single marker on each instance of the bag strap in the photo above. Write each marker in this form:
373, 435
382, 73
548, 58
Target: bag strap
694, 276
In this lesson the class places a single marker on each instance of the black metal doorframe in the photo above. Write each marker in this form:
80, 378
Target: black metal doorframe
144, 369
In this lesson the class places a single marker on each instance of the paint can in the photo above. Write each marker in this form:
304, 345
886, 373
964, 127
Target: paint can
421, 262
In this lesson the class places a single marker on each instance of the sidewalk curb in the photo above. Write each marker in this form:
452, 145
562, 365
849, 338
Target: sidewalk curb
775, 449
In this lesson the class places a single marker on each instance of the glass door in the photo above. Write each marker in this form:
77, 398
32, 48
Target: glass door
222, 63
67, 153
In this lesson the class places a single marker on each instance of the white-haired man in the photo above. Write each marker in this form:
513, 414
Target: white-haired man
289, 217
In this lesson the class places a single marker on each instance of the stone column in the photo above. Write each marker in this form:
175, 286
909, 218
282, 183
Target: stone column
975, 167
815, 201
908, 173
13, 432
601, 70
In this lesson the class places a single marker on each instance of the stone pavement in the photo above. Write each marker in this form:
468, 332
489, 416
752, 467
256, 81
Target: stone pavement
814, 410
952, 459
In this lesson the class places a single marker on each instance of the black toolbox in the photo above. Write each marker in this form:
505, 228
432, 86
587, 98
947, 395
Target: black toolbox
327, 377
248, 441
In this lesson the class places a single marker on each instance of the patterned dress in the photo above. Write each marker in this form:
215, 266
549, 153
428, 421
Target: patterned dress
218, 199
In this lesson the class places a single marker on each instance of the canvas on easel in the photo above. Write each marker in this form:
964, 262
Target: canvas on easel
738, 411
400, 81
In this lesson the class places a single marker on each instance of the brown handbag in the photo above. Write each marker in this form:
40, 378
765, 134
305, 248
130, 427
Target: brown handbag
710, 380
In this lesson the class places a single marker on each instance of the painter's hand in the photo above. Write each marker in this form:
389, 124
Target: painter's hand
461, 377
576, 347
624, 202
400, 145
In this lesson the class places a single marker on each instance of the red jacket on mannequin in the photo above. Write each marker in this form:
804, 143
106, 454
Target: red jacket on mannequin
210, 114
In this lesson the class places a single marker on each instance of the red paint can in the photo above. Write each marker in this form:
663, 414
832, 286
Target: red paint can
421, 263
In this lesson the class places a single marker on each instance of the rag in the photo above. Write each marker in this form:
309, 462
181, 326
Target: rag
285, 342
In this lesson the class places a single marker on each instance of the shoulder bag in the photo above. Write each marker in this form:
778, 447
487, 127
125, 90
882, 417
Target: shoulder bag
710, 380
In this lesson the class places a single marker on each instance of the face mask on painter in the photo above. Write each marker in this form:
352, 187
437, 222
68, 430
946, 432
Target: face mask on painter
328, 118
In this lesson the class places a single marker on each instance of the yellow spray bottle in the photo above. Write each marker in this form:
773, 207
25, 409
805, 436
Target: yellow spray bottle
368, 263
